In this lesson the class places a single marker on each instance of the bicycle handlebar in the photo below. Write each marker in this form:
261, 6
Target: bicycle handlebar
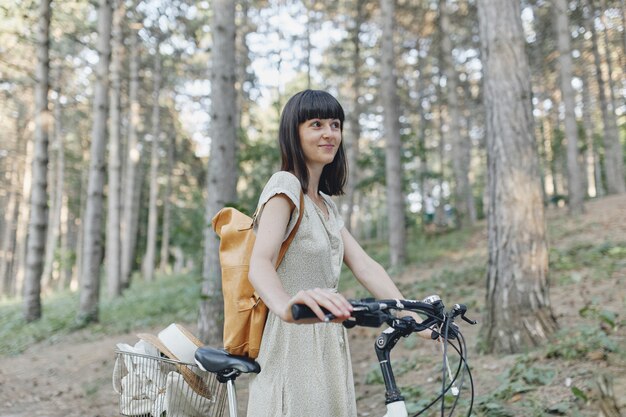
370, 312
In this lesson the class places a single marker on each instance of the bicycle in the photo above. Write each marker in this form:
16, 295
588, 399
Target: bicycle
222, 369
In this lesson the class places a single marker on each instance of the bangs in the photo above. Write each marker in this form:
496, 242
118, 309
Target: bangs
316, 104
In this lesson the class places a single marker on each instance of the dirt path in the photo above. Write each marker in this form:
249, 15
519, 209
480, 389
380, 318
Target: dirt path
73, 377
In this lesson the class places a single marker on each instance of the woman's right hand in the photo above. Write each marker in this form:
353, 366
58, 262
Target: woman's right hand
316, 298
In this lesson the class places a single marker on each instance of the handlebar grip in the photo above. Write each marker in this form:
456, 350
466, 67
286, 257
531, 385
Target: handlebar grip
302, 311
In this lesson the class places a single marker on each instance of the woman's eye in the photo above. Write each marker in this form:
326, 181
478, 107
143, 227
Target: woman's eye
316, 124
336, 125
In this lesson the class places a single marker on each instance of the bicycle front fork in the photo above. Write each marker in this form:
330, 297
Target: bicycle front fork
393, 399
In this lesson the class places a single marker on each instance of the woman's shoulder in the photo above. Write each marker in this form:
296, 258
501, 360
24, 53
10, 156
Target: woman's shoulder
284, 180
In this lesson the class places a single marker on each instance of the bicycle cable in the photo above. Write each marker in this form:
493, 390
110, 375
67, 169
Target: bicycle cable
462, 365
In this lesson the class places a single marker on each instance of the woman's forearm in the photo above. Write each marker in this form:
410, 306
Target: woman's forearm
266, 282
377, 281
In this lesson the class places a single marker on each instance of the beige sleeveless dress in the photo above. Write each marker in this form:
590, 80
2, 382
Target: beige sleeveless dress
305, 369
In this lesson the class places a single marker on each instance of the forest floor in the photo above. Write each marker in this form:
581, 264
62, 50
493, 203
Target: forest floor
71, 375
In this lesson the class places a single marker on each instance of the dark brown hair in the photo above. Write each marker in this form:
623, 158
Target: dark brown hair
303, 106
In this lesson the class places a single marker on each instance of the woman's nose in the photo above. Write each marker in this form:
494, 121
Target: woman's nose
327, 132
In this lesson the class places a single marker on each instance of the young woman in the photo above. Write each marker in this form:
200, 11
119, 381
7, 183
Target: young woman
306, 369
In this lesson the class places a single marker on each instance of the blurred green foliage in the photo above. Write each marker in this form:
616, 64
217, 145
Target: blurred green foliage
168, 299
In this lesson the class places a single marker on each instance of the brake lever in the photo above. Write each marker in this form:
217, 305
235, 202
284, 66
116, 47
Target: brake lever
461, 309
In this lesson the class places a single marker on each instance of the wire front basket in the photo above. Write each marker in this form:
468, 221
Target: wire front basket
151, 386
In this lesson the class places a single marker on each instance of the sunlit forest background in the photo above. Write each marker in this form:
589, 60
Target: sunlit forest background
127, 124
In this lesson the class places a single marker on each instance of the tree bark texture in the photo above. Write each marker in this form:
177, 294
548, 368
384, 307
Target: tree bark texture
38, 221
57, 178
113, 242
575, 189
518, 305
151, 242
8, 262
222, 170
594, 181
19, 261
393, 161
133, 156
460, 145
89, 280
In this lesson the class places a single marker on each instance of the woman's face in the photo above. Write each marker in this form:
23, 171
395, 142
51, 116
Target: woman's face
320, 140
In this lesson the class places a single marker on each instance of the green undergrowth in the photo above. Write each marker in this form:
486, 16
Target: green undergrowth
168, 299
422, 249
595, 261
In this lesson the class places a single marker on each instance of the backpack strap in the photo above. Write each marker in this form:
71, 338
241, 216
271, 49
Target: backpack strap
287, 242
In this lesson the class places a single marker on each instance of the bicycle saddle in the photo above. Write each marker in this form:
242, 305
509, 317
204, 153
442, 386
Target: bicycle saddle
216, 360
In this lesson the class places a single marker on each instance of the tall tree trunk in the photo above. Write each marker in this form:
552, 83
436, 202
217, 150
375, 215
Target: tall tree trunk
393, 161
92, 221
113, 242
467, 152
167, 205
19, 261
8, 233
56, 195
594, 182
15, 202
68, 241
421, 142
222, 170
613, 153
353, 131
80, 229
132, 161
38, 222
460, 146
574, 180
149, 258
518, 305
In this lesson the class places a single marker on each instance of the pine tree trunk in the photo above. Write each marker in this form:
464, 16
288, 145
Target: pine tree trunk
617, 150
129, 208
8, 233
167, 206
460, 146
574, 180
353, 131
594, 186
80, 227
113, 242
393, 161
613, 153
518, 305
222, 170
38, 222
68, 241
19, 262
10, 247
149, 258
56, 195
92, 221
421, 144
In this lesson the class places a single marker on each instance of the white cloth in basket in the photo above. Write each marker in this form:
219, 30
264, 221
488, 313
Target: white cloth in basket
141, 389
151, 387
